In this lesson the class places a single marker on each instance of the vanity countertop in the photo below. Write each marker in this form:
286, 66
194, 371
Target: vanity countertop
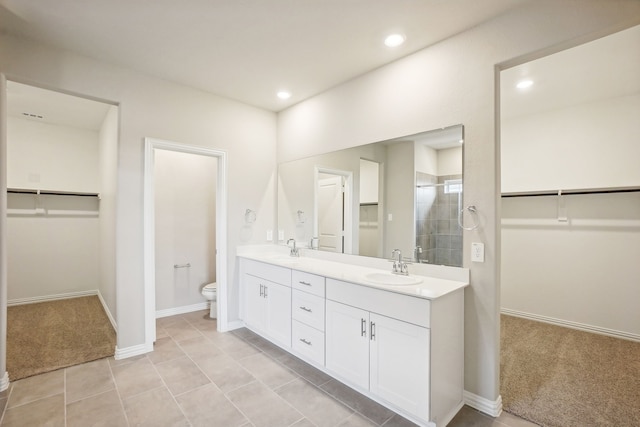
429, 288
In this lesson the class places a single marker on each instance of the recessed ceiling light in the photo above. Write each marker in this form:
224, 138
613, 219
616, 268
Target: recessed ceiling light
283, 94
394, 40
524, 84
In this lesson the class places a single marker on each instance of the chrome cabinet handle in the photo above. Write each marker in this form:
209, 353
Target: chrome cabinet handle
305, 341
363, 327
304, 283
373, 331
261, 290
308, 310
265, 291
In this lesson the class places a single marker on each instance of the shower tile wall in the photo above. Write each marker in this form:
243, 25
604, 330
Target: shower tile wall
437, 230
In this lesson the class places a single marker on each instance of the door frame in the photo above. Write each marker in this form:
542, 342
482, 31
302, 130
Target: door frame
150, 146
348, 204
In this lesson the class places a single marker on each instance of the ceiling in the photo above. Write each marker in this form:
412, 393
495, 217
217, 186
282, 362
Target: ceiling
246, 50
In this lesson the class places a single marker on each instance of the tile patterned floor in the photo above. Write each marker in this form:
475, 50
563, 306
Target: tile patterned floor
197, 376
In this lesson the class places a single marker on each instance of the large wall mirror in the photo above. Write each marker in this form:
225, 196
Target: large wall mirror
404, 193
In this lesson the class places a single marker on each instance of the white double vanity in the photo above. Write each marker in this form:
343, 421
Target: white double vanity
396, 339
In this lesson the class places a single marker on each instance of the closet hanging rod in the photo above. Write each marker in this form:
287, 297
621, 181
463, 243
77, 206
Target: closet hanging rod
573, 192
50, 192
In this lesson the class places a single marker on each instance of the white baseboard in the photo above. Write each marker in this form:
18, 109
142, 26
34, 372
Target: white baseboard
108, 312
44, 298
235, 324
490, 407
572, 325
4, 382
134, 350
181, 310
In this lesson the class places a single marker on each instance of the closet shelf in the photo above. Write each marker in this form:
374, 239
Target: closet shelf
51, 192
573, 192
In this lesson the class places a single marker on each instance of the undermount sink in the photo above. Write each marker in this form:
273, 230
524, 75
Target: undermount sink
391, 279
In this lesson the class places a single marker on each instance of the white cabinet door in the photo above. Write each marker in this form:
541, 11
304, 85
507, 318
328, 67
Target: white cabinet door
278, 312
399, 368
255, 307
347, 343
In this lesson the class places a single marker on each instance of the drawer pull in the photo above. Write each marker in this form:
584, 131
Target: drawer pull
363, 327
308, 310
305, 341
304, 283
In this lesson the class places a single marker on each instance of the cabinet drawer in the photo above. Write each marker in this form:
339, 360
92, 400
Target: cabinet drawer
308, 341
273, 273
308, 309
308, 282
402, 307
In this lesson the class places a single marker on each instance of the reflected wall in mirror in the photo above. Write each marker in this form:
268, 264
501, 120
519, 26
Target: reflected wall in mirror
403, 193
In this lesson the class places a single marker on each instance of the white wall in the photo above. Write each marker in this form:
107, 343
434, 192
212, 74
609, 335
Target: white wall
47, 254
369, 173
400, 193
583, 272
591, 145
450, 161
448, 83
108, 186
151, 107
185, 213
51, 157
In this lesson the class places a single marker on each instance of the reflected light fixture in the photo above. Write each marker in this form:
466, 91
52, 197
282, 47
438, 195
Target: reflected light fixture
283, 94
394, 40
524, 84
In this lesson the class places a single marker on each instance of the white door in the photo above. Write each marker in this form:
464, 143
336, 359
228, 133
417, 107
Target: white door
347, 343
330, 214
278, 313
400, 364
255, 304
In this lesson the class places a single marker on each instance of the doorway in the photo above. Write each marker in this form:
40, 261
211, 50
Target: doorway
59, 175
152, 148
333, 222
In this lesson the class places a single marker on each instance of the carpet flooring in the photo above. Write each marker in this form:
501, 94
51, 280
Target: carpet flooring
560, 377
50, 335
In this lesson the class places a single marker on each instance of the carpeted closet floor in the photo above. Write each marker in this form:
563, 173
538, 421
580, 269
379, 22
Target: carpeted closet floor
46, 336
561, 377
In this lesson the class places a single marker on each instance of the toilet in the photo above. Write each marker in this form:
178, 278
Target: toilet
210, 292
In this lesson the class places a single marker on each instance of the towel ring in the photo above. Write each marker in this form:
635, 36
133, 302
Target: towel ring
474, 211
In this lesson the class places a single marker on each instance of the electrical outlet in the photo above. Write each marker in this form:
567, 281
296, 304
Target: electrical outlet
281, 235
269, 235
477, 252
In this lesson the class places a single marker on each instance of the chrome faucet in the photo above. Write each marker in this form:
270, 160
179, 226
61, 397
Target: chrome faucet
294, 251
399, 266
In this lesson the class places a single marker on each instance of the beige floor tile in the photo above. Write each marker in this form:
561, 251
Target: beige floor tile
234, 346
225, 372
320, 408
303, 423
181, 375
154, 408
267, 370
181, 331
357, 420
136, 377
36, 387
165, 349
101, 410
168, 321
513, 421
114, 362
362, 404
207, 406
263, 407
88, 379
199, 347
44, 412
